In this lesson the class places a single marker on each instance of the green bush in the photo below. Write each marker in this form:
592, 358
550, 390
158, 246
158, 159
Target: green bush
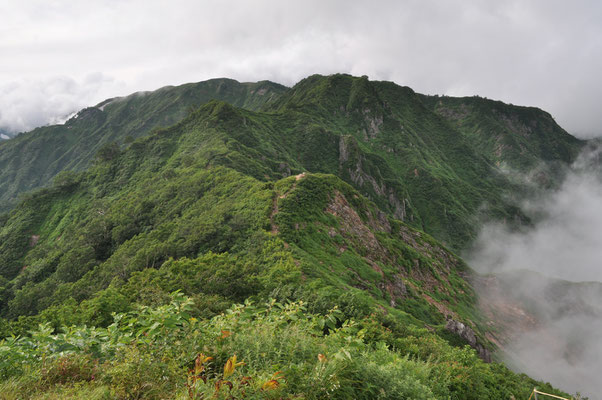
251, 351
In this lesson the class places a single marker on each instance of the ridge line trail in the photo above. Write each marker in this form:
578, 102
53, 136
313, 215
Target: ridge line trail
274, 229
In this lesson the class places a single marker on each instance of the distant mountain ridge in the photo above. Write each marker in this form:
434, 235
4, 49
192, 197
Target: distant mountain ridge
399, 148
345, 194
518, 136
33, 158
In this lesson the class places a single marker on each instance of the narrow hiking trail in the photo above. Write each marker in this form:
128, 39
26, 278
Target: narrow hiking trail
274, 228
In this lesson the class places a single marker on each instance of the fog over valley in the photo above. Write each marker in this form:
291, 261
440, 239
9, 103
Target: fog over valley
553, 270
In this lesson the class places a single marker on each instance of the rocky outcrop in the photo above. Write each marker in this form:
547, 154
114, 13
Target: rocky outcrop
397, 290
466, 333
373, 123
343, 149
285, 169
352, 225
353, 162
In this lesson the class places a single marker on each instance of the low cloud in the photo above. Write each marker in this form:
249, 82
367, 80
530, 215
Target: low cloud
564, 249
566, 352
26, 104
566, 241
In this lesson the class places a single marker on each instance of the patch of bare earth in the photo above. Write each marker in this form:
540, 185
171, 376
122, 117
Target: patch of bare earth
361, 232
352, 225
506, 318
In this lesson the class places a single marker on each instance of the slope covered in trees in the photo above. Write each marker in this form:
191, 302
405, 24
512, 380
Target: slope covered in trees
315, 198
32, 159
390, 143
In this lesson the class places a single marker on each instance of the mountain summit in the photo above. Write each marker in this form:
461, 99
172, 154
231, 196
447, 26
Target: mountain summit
416, 156
331, 210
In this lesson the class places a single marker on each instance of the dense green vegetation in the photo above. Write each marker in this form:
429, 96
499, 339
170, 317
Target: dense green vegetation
400, 149
133, 220
325, 194
270, 351
32, 159
514, 137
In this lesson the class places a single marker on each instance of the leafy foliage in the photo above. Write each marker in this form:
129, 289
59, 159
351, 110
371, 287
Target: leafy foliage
257, 352
34, 158
407, 152
322, 199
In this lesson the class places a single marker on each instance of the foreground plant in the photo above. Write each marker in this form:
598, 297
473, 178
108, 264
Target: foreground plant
252, 351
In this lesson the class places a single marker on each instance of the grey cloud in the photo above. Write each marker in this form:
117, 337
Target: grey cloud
542, 53
564, 345
62, 55
566, 352
26, 104
566, 242
554, 329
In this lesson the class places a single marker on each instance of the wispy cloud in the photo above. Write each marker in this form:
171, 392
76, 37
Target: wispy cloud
26, 104
563, 345
566, 241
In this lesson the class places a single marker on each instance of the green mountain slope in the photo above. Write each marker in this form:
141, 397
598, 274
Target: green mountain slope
517, 137
202, 207
398, 153
32, 159
165, 198
398, 148
320, 194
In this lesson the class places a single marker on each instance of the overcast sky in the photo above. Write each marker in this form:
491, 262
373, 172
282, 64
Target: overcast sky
58, 56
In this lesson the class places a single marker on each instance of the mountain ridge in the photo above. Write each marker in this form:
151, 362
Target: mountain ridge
346, 196
19, 175
31, 159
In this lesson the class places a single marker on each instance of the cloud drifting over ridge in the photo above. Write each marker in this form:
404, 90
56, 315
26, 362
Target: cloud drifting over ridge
26, 104
543, 53
566, 241
564, 346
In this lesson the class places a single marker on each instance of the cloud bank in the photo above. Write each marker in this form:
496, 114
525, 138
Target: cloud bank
546, 53
26, 104
566, 351
566, 241
564, 248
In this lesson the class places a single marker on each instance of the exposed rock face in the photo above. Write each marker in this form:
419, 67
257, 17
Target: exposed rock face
454, 114
352, 225
343, 149
397, 290
399, 287
353, 162
468, 334
399, 206
285, 169
33, 240
373, 122
505, 313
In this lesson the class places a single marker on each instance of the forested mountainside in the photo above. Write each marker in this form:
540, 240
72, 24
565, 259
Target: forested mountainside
32, 159
319, 207
383, 139
516, 137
